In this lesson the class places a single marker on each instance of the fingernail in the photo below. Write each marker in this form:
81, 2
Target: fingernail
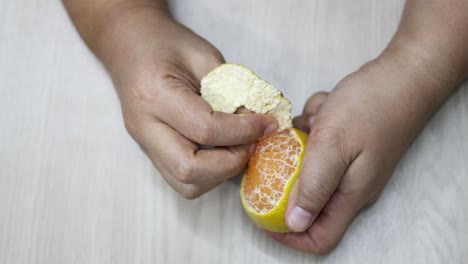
299, 219
252, 148
270, 129
311, 119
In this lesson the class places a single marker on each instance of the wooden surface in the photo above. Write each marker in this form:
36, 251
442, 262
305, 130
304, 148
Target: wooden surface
75, 188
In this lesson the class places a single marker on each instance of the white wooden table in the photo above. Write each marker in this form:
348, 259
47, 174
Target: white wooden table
75, 188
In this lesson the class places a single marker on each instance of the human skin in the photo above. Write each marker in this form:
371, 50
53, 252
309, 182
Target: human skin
156, 65
358, 132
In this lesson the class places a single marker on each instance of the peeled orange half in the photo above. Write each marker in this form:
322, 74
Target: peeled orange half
271, 173
275, 165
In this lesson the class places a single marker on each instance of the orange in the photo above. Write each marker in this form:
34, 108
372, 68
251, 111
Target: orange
271, 173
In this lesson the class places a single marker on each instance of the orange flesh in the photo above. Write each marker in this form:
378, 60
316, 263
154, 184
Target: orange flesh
269, 169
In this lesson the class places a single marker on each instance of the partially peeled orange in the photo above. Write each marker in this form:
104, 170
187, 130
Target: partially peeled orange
275, 165
271, 173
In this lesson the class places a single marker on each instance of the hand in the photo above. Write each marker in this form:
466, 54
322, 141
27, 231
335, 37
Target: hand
157, 75
358, 133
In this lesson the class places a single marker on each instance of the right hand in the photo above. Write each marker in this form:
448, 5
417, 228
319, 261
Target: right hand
157, 74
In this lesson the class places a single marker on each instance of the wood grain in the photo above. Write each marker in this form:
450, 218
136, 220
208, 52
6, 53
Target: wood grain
74, 187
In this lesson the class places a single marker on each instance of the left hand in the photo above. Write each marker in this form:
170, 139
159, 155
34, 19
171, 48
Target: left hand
363, 127
358, 134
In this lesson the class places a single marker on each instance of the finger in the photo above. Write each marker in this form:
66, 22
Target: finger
311, 108
324, 165
243, 111
205, 60
313, 104
188, 191
193, 117
304, 122
204, 65
182, 160
328, 229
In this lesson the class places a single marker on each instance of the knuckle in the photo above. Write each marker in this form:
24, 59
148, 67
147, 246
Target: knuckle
328, 135
132, 126
185, 172
315, 193
322, 93
332, 140
370, 202
205, 132
251, 130
315, 99
351, 79
191, 191
217, 57
322, 243
143, 92
373, 198
367, 190
325, 247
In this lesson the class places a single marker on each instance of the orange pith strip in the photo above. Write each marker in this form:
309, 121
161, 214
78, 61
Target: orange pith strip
269, 169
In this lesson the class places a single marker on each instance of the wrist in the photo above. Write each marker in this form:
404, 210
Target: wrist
420, 70
439, 64
127, 25
400, 88
113, 31
135, 42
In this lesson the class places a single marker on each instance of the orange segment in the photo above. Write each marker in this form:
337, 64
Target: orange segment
270, 175
270, 167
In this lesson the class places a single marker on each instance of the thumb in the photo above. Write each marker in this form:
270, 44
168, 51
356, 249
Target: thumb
323, 167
